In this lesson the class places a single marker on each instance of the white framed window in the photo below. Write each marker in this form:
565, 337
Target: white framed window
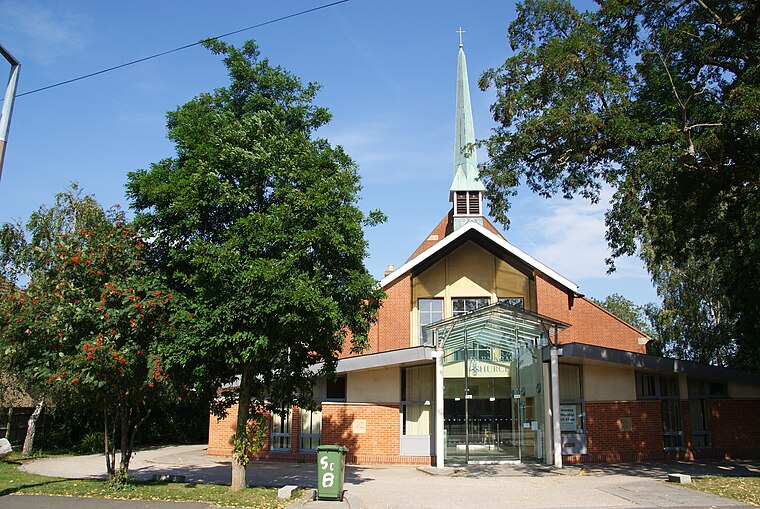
462, 305
430, 311
311, 430
417, 393
572, 404
517, 302
280, 439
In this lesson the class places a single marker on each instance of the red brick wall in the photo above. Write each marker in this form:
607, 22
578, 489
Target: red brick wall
379, 444
220, 432
605, 440
441, 230
391, 331
590, 323
733, 423
735, 428
445, 228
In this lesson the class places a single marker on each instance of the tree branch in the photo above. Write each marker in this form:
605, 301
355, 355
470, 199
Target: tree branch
711, 11
694, 126
672, 83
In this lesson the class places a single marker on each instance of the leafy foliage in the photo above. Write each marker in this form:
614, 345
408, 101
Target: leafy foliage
256, 223
695, 308
87, 325
661, 101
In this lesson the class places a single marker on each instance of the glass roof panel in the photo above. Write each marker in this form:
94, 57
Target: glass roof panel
498, 325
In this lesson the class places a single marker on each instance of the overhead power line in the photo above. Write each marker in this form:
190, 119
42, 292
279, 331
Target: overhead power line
133, 62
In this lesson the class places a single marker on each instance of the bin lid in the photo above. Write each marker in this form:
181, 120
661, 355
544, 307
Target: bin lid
332, 448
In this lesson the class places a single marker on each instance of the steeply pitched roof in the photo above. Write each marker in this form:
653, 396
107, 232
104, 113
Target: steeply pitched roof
477, 232
442, 229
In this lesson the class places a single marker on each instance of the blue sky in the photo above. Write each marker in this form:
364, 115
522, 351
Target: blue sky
388, 75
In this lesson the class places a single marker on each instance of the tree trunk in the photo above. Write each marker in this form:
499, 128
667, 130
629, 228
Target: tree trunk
107, 444
128, 433
124, 421
8, 427
239, 462
30, 430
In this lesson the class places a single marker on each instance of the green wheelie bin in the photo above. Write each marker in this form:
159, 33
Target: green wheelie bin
331, 467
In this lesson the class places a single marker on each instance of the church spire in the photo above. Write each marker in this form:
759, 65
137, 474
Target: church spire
466, 190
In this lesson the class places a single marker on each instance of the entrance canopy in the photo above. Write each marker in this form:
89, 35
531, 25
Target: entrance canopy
496, 326
491, 380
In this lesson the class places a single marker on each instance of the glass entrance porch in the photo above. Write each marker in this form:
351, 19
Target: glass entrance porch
493, 384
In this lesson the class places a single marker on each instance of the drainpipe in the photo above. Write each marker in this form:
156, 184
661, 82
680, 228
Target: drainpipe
556, 430
10, 98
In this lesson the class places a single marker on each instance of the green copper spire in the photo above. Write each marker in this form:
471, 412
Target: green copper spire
466, 190
465, 161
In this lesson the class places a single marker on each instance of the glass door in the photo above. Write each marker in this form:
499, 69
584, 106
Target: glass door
478, 413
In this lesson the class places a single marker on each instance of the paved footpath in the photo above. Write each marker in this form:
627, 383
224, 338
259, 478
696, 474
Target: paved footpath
636, 486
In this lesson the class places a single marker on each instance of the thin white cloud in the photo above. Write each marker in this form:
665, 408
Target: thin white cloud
383, 153
46, 32
571, 240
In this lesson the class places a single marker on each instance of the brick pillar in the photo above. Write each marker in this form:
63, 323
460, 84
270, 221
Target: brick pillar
295, 427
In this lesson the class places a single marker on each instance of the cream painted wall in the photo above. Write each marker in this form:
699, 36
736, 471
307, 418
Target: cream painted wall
510, 282
432, 282
743, 391
374, 386
469, 271
609, 383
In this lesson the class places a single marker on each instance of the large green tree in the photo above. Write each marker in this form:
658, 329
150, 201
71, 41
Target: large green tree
256, 221
661, 102
87, 325
694, 307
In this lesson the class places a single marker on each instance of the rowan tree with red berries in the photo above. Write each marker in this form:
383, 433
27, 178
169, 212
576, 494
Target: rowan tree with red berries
89, 322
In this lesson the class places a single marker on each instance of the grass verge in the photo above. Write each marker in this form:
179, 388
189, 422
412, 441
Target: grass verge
744, 489
13, 480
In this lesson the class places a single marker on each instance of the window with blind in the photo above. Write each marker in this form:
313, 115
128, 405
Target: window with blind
665, 389
311, 429
701, 393
417, 393
461, 202
280, 439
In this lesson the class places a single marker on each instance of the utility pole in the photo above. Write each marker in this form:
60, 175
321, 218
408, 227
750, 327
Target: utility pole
10, 98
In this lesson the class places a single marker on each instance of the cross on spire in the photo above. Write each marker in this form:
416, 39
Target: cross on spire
460, 32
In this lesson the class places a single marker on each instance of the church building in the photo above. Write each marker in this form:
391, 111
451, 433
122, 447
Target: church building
483, 354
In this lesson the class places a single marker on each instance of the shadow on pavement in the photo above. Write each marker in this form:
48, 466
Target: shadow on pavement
661, 469
481, 471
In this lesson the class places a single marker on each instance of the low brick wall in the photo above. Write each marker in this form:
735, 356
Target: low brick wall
369, 431
734, 432
735, 428
620, 431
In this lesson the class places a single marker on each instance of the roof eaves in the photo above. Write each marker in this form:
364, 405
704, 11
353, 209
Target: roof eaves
654, 363
501, 242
